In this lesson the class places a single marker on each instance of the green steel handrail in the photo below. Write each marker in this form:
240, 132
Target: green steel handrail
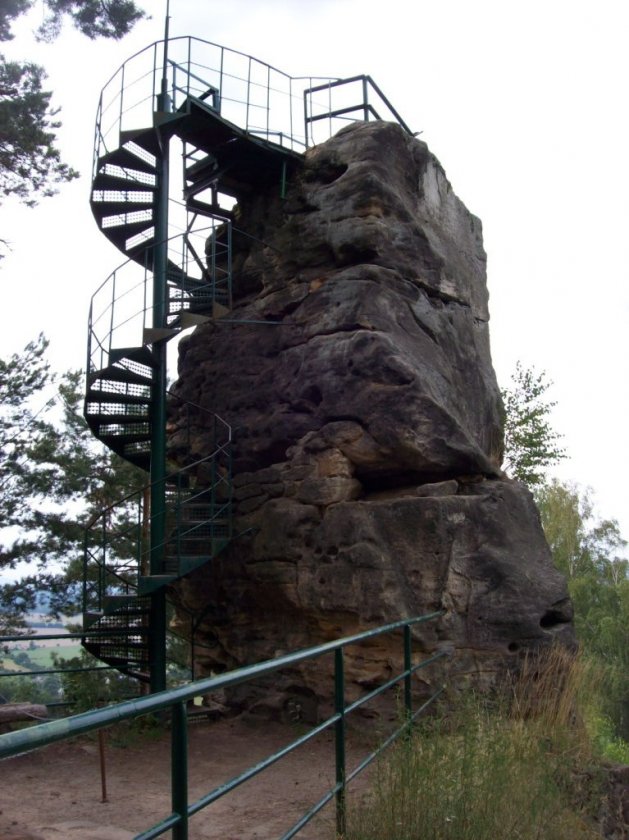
128, 98
14, 743
130, 283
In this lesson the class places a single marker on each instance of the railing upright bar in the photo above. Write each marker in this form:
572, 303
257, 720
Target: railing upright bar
121, 98
339, 729
408, 664
268, 102
220, 82
101, 569
365, 99
179, 770
111, 320
248, 94
155, 84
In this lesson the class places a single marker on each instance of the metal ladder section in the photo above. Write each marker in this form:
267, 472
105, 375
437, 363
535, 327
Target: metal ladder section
218, 156
117, 584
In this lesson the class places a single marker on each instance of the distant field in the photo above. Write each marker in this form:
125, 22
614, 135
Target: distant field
42, 657
9, 665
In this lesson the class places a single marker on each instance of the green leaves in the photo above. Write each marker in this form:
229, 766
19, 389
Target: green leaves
590, 552
54, 477
531, 443
30, 162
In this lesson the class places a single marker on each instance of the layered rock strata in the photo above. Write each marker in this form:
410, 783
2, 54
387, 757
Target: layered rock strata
367, 428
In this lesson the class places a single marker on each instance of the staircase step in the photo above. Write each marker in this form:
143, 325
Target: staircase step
119, 443
118, 601
125, 157
140, 355
114, 373
146, 138
100, 397
103, 418
119, 181
104, 209
126, 230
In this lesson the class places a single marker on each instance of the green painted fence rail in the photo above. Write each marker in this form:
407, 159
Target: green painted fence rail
175, 700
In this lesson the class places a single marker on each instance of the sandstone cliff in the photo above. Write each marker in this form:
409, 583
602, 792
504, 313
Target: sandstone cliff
367, 426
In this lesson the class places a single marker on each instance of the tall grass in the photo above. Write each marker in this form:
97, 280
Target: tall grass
517, 766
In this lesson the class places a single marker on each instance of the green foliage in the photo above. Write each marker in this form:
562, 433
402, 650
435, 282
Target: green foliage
43, 689
94, 18
30, 162
531, 444
590, 552
54, 478
479, 773
86, 690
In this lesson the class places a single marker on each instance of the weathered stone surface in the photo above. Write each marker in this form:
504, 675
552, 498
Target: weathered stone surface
367, 431
313, 573
377, 281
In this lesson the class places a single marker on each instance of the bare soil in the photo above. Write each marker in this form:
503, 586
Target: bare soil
55, 793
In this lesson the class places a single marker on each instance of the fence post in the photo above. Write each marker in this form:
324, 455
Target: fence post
339, 708
408, 700
179, 769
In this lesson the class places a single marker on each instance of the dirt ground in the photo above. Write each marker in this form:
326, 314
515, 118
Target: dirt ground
55, 793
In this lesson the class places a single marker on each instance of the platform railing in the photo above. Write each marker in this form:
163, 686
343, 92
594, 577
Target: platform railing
199, 275
248, 92
175, 701
331, 105
251, 94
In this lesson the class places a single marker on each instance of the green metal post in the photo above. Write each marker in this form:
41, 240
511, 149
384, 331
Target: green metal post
408, 700
179, 770
339, 708
157, 635
283, 181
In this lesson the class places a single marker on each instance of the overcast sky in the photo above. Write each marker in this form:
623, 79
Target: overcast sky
523, 103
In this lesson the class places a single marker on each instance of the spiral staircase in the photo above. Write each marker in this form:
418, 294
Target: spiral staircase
242, 126
127, 570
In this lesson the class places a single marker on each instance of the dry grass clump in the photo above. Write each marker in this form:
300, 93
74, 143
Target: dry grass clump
515, 766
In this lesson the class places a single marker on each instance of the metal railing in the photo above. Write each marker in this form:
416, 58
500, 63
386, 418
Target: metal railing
329, 106
198, 512
175, 700
249, 93
198, 276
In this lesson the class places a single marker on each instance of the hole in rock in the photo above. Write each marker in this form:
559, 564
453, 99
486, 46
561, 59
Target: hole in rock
552, 618
333, 550
513, 647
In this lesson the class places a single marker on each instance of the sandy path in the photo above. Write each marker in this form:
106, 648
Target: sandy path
55, 793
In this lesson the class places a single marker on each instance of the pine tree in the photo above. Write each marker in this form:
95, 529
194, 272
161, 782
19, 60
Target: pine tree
54, 478
531, 443
30, 162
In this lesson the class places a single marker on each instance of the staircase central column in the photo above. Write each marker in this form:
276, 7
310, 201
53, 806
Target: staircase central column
157, 637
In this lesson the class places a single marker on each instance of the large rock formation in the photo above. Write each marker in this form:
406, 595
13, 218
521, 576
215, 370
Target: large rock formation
367, 426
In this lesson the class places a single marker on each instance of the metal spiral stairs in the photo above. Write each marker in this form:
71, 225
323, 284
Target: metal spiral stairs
243, 126
121, 393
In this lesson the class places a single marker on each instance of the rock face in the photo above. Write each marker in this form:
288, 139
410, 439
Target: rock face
367, 426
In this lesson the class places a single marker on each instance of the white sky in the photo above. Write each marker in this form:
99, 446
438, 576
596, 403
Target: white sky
524, 105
